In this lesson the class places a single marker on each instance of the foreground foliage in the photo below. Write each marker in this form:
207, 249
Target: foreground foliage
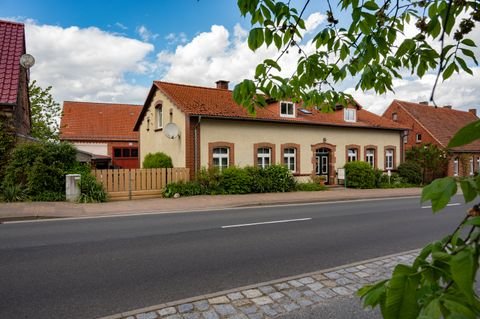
441, 281
45, 113
366, 41
157, 160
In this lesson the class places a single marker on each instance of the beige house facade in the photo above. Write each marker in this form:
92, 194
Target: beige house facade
213, 131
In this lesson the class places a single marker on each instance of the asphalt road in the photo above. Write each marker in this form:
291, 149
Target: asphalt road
95, 267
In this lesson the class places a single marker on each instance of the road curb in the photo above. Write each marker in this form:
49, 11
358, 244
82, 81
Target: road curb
150, 309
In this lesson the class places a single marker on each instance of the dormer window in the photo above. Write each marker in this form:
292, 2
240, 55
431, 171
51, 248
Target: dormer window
350, 115
287, 109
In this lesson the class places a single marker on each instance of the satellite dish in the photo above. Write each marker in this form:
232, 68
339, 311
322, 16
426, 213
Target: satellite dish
27, 61
171, 130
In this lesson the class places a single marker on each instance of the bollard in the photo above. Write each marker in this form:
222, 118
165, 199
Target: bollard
72, 187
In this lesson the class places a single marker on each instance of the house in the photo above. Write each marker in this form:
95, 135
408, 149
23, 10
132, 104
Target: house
14, 99
214, 131
437, 125
103, 132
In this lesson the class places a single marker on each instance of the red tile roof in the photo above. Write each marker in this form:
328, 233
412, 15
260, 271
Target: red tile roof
12, 46
87, 121
442, 123
219, 103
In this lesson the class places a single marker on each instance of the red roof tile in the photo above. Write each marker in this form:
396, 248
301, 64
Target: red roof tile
441, 122
12, 46
213, 102
88, 121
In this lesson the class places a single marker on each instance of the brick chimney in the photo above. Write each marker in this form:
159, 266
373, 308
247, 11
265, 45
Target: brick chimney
222, 84
447, 107
473, 111
423, 103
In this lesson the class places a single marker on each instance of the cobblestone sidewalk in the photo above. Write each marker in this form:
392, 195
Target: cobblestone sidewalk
274, 298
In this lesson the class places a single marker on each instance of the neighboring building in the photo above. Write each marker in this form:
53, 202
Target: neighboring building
103, 132
14, 100
214, 131
429, 124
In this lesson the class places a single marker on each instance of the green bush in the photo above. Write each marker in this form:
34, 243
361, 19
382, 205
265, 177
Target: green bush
38, 169
13, 193
236, 181
157, 160
191, 188
310, 187
411, 171
360, 175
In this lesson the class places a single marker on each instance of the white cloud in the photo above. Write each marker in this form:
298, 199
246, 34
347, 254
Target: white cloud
461, 91
215, 55
146, 34
121, 26
173, 38
87, 63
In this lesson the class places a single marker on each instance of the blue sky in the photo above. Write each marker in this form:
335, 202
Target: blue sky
112, 50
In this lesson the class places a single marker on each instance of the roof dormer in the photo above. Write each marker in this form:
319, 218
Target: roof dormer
350, 115
287, 109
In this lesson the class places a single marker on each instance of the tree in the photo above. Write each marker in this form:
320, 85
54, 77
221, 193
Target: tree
45, 113
369, 44
432, 160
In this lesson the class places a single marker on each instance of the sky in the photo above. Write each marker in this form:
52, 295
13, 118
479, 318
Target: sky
111, 51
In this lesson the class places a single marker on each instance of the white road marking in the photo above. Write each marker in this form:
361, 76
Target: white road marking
453, 204
270, 222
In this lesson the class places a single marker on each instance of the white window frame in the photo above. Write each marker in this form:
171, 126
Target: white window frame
389, 153
471, 166
290, 109
352, 155
290, 158
159, 117
418, 137
455, 167
263, 156
220, 156
349, 115
370, 156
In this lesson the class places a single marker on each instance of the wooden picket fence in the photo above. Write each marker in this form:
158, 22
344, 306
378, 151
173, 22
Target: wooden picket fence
126, 184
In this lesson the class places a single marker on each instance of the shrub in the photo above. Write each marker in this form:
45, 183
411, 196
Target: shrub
210, 181
157, 160
236, 181
38, 169
274, 178
183, 188
310, 187
13, 193
411, 171
360, 175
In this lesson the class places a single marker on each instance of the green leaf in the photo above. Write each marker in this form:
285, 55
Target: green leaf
406, 46
401, 301
268, 37
370, 5
448, 71
469, 42
469, 189
463, 269
255, 38
464, 66
373, 295
466, 135
475, 221
432, 310
278, 40
439, 192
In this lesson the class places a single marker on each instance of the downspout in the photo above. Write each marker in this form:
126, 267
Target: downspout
195, 145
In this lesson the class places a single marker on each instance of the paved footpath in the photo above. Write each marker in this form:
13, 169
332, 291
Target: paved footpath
169, 205
277, 298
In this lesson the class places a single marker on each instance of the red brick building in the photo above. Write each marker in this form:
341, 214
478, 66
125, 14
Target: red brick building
103, 130
14, 100
437, 125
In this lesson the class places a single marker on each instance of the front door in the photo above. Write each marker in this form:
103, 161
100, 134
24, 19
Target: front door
322, 164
